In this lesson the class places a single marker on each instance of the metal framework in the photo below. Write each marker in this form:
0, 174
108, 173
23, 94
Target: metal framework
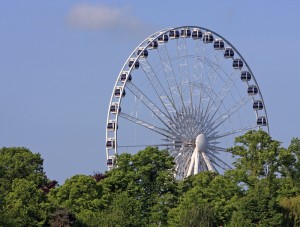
188, 90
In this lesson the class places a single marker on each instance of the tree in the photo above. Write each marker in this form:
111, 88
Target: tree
80, 194
148, 178
216, 193
62, 217
257, 171
25, 205
292, 210
21, 163
260, 207
124, 210
20, 168
238, 220
257, 156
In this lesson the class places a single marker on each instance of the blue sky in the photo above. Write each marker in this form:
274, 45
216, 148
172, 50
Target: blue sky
59, 61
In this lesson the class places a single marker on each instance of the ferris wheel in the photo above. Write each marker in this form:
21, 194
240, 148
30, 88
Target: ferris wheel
187, 90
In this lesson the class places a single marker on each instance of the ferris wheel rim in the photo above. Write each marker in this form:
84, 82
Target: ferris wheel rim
136, 57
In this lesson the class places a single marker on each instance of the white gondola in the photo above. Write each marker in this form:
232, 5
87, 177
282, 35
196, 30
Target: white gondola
153, 44
258, 105
144, 53
119, 91
114, 108
185, 33
219, 44
111, 125
164, 38
110, 143
197, 34
262, 121
111, 161
228, 53
134, 63
174, 34
245, 76
125, 76
237, 64
208, 37
252, 90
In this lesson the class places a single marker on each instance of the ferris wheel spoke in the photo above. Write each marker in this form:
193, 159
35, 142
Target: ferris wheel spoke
231, 133
220, 164
183, 72
215, 70
220, 97
161, 131
164, 98
225, 116
217, 149
183, 159
162, 116
216, 159
180, 153
147, 145
169, 73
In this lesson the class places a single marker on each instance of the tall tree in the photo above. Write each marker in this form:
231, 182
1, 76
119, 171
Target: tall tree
257, 171
25, 205
147, 177
81, 195
19, 167
21, 163
210, 194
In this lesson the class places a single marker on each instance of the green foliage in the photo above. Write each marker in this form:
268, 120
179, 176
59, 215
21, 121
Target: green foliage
292, 208
148, 178
219, 192
25, 205
260, 207
21, 163
193, 216
123, 211
257, 157
21, 201
238, 220
262, 190
62, 217
79, 194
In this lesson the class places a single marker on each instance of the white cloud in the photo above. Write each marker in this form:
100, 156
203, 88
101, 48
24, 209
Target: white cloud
101, 17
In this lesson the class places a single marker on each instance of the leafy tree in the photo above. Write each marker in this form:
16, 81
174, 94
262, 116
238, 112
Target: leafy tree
196, 215
290, 170
260, 207
219, 193
148, 178
21, 163
25, 205
292, 210
62, 217
238, 220
257, 171
257, 156
124, 210
20, 168
79, 194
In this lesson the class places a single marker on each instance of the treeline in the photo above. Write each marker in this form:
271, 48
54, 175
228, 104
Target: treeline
262, 190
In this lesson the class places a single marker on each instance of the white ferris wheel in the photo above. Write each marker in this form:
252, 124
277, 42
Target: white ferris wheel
187, 90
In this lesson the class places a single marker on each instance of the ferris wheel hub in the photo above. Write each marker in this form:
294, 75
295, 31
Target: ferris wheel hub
201, 143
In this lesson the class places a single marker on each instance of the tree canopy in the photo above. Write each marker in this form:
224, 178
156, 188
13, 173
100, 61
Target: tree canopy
263, 189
